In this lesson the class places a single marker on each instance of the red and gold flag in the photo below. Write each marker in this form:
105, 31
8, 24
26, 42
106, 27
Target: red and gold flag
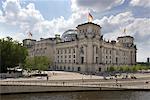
30, 34
90, 18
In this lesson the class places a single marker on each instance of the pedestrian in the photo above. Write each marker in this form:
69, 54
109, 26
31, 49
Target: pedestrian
116, 82
47, 77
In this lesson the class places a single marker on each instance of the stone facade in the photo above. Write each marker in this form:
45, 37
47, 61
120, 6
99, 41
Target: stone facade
85, 50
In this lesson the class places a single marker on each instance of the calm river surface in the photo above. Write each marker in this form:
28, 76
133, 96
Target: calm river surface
98, 95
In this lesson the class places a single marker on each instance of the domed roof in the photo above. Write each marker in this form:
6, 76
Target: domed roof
69, 35
71, 31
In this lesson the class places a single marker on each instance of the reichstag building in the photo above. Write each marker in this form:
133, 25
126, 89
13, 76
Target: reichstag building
84, 50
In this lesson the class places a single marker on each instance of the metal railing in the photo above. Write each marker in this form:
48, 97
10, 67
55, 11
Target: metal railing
76, 84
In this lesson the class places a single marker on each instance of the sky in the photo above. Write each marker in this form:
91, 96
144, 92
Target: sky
45, 18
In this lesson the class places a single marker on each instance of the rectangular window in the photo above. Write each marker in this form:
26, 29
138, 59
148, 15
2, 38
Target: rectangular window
73, 50
69, 56
69, 50
96, 60
99, 69
82, 60
62, 51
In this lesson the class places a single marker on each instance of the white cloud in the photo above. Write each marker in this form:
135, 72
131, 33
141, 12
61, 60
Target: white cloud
144, 3
30, 19
96, 5
0, 13
135, 26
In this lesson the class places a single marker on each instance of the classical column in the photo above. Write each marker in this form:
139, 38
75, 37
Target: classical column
77, 54
100, 54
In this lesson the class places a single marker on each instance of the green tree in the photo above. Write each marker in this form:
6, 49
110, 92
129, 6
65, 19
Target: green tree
37, 63
111, 69
12, 54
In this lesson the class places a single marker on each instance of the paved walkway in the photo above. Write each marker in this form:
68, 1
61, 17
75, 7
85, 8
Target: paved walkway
76, 79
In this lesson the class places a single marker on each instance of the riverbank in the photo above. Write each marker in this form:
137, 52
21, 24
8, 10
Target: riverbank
68, 81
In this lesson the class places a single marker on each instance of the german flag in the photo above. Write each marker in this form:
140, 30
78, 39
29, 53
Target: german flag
90, 17
30, 34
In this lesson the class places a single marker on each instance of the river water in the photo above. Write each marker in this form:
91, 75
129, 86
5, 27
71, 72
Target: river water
96, 95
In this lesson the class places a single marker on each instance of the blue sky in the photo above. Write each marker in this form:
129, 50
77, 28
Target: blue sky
45, 18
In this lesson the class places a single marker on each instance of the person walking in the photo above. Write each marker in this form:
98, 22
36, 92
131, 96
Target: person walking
116, 82
47, 77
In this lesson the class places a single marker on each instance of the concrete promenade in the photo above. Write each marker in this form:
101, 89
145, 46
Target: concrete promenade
80, 83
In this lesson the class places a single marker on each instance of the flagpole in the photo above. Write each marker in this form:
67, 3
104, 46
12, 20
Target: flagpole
124, 31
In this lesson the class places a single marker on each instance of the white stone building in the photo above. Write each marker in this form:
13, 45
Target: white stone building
84, 50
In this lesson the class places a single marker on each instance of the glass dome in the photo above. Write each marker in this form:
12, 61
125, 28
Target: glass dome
69, 35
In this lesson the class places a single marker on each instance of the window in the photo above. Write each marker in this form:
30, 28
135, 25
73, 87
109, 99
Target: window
74, 56
82, 60
79, 68
106, 51
80, 31
69, 56
74, 61
116, 60
99, 69
73, 50
69, 61
57, 51
68, 68
96, 60
61, 51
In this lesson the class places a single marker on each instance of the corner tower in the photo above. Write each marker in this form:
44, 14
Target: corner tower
128, 42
